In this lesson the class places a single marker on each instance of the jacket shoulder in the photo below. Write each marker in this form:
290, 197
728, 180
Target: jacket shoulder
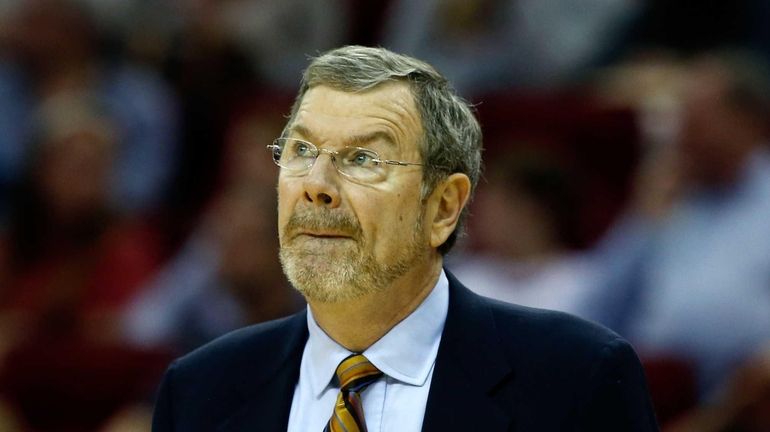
595, 369
548, 329
241, 348
206, 387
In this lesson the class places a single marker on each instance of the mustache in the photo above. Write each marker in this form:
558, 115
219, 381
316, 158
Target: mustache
323, 220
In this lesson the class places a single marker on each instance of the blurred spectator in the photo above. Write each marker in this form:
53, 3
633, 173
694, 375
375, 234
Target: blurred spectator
73, 264
595, 147
51, 47
73, 259
531, 199
483, 45
216, 53
227, 274
689, 266
225, 277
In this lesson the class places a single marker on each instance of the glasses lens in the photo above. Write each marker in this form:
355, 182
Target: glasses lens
294, 154
357, 163
360, 163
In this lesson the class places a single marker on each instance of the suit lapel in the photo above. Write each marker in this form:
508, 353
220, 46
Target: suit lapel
465, 388
470, 369
266, 391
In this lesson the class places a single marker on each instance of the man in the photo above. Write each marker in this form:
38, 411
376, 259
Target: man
378, 161
690, 262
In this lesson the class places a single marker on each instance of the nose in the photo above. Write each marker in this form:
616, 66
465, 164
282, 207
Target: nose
321, 183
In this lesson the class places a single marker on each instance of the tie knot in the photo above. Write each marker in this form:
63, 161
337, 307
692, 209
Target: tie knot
356, 372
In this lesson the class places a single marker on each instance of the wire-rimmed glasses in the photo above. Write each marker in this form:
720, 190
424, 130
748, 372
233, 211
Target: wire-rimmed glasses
362, 164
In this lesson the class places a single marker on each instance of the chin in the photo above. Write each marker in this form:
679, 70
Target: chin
318, 288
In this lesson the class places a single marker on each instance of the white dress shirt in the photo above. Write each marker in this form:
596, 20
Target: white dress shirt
406, 355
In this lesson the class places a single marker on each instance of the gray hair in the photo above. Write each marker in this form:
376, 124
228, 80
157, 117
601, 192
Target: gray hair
451, 141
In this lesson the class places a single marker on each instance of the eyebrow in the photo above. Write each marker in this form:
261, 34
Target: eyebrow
360, 140
355, 140
301, 130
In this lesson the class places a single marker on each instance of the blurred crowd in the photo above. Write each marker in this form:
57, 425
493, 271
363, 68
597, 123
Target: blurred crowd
627, 181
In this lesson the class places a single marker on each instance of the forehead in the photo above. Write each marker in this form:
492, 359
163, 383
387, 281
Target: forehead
332, 115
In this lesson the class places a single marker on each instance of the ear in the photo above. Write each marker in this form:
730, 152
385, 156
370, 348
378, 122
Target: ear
445, 205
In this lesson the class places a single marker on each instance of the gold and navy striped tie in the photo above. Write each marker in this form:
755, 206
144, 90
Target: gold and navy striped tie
355, 373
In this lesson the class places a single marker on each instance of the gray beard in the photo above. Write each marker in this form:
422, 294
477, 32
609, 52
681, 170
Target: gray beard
342, 270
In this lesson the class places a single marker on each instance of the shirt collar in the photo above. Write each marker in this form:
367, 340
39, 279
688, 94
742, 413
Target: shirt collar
406, 353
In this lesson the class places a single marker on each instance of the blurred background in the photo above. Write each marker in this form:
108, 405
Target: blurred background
627, 181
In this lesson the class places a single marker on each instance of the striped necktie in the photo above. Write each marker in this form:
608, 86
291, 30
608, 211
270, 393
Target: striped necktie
355, 373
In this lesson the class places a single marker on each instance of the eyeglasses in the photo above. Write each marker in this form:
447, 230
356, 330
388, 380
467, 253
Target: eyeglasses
357, 163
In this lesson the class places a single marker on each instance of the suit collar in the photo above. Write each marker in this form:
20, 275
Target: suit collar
469, 370
267, 385
405, 353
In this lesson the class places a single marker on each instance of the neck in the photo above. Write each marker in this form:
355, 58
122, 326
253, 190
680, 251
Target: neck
359, 323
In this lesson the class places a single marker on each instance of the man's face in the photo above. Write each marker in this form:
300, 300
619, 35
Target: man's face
341, 239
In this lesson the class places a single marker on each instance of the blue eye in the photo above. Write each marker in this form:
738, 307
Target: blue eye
362, 158
302, 149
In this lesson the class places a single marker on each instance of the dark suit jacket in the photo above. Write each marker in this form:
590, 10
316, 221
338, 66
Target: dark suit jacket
500, 367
